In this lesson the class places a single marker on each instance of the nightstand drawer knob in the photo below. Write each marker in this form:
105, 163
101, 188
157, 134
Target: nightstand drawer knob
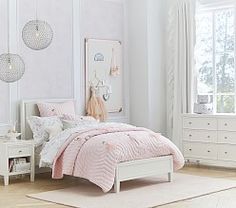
190, 123
208, 151
20, 151
226, 124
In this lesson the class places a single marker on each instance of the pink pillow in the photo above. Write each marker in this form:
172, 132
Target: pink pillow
56, 109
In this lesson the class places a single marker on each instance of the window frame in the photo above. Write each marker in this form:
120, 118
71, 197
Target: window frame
216, 8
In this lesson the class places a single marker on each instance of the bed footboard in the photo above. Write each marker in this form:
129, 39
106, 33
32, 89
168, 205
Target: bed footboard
143, 168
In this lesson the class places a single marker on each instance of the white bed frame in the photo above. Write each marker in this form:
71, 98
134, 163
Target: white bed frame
124, 171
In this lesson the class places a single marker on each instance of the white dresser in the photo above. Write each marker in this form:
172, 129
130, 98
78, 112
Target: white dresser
210, 139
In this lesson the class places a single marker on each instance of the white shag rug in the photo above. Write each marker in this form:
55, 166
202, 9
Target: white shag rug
145, 193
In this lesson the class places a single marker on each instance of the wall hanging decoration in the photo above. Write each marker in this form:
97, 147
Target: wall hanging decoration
96, 106
114, 69
12, 66
104, 74
37, 34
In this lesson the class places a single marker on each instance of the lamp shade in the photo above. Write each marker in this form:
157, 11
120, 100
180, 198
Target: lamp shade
12, 67
37, 34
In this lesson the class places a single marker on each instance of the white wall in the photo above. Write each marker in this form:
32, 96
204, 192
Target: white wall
58, 71
49, 72
156, 60
105, 19
4, 89
138, 62
147, 73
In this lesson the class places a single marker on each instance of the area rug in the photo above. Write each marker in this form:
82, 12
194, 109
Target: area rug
146, 193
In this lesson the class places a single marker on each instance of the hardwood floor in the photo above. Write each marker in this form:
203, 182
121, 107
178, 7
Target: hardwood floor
14, 195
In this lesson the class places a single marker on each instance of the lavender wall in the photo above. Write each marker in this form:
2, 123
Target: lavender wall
50, 72
4, 88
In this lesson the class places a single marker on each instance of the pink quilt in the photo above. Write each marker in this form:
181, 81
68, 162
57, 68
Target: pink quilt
95, 153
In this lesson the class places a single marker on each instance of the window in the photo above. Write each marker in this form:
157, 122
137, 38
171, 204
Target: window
215, 57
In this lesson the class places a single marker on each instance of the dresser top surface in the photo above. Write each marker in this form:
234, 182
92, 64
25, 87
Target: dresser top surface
192, 115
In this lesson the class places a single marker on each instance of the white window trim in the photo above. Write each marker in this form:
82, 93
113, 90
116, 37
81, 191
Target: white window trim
214, 4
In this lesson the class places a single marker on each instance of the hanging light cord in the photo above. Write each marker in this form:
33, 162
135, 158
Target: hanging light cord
36, 9
8, 27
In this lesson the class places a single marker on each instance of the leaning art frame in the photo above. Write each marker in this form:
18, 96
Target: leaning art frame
104, 72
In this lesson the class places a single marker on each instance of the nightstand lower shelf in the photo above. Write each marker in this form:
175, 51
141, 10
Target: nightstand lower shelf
19, 173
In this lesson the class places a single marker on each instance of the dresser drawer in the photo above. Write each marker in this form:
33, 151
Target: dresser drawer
227, 137
200, 123
200, 135
18, 151
227, 124
227, 152
199, 150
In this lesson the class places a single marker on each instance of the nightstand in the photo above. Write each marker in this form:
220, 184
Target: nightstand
17, 158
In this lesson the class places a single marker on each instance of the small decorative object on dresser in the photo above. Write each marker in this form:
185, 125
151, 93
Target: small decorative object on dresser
17, 158
210, 139
204, 105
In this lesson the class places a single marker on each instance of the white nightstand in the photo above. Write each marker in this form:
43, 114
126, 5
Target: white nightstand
10, 150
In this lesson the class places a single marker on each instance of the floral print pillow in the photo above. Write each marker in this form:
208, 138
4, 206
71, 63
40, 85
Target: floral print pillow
39, 126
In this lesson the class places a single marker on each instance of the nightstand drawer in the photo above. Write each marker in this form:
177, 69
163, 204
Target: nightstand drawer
18, 151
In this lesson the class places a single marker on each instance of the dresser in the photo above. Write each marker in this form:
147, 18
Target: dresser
209, 139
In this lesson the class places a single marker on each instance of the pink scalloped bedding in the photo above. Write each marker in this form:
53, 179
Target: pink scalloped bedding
93, 154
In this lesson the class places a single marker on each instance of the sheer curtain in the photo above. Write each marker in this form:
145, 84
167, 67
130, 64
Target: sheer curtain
180, 64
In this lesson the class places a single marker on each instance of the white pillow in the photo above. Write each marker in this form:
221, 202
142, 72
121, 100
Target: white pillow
54, 130
39, 127
73, 117
82, 121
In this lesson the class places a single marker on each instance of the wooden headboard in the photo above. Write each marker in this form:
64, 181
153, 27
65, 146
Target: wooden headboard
30, 108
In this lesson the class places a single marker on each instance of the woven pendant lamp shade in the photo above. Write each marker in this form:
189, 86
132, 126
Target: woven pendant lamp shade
12, 67
37, 34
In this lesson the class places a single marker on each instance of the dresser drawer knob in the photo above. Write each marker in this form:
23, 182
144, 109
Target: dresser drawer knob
20, 151
208, 124
190, 135
189, 122
226, 124
190, 149
226, 137
208, 151
208, 137
226, 153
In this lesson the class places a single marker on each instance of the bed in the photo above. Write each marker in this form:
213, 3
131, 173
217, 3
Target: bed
124, 171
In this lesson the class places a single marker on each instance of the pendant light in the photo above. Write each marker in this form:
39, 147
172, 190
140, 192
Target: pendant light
12, 66
37, 34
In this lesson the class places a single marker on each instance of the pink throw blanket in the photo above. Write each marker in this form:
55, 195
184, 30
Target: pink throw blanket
94, 154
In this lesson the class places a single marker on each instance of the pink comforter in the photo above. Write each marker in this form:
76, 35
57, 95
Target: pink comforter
94, 154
